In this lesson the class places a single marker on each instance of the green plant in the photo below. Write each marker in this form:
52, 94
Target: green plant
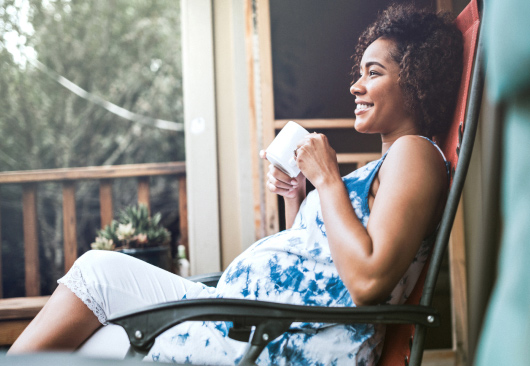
133, 229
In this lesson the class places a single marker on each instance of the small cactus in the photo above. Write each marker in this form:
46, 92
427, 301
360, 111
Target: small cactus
133, 229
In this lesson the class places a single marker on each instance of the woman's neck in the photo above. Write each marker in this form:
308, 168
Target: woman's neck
388, 139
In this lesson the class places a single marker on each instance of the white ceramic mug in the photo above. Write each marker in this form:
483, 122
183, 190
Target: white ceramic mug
282, 149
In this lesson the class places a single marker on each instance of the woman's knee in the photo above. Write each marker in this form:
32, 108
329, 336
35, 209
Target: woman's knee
96, 258
104, 265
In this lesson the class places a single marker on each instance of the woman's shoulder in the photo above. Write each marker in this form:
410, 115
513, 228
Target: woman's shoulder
415, 147
413, 155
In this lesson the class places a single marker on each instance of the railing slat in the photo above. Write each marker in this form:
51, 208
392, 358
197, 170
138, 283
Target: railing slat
105, 201
69, 225
31, 249
143, 192
183, 214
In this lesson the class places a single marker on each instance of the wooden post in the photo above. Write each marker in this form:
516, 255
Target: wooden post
1, 288
31, 245
183, 213
105, 202
457, 260
444, 5
69, 225
272, 224
143, 192
257, 181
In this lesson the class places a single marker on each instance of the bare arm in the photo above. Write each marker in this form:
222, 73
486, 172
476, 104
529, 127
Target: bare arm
405, 210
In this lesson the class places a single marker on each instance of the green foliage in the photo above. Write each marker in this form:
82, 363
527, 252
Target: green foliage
127, 52
134, 229
124, 51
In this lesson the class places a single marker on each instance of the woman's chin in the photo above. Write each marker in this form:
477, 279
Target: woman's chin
360, 126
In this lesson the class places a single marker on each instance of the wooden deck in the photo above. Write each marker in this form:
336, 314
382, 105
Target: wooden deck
15, 315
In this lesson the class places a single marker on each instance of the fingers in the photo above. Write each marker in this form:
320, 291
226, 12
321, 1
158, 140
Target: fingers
311, 139
277, 181
314, 142
280, 179
288, 193
280, 183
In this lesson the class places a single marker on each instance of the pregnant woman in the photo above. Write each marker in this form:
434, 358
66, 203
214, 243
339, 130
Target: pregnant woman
356, 240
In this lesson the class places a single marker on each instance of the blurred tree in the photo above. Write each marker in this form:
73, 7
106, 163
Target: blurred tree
124, 51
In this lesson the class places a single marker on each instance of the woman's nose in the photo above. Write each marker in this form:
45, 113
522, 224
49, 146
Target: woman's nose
357, 88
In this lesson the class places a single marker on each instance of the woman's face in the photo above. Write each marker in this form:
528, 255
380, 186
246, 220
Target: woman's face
380, 105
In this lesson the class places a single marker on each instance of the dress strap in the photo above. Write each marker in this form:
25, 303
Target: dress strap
447, 164
436, 145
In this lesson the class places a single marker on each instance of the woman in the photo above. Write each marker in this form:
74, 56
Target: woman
357, 240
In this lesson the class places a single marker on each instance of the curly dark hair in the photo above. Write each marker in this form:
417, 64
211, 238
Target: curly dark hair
429, 51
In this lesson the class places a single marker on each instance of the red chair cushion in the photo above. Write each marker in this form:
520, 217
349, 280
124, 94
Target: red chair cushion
468, 22
397, 340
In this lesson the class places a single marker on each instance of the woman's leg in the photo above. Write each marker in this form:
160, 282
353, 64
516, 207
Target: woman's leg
62, 324
100, 283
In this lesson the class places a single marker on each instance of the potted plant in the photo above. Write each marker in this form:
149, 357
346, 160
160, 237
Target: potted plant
138, 234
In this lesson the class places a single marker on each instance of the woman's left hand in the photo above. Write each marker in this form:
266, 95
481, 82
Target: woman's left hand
317, 160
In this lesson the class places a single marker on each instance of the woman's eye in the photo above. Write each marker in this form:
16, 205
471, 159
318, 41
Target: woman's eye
373, 73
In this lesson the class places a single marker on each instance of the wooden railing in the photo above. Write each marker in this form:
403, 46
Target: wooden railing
68, 178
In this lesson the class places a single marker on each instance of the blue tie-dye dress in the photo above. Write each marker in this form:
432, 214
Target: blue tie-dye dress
293, 267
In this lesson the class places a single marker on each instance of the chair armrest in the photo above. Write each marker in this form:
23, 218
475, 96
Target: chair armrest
144, 325
209, 279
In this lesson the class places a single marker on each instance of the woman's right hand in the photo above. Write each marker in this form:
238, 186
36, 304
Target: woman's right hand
280, 183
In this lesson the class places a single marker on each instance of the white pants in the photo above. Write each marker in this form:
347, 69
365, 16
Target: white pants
110, 283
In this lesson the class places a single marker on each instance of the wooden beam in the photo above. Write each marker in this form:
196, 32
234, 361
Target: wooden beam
105, 202
95, 172
10, 330
444, 5
438, 357
255, 145
21, 307
267, 108
312, 124
360, 159
457, 260
31, 245
16, 314
143, 192
183, 214
69, 225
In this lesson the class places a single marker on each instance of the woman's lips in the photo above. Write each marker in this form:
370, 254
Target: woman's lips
360, 111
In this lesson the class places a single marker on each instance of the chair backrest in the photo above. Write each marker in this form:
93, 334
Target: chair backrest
398, 339
468, 22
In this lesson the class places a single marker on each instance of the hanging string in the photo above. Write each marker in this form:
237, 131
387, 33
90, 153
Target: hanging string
111, 107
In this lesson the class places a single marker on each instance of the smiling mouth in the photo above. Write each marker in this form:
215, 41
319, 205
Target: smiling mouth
361, 108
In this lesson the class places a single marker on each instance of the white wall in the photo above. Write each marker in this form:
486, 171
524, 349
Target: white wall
201, 135
235, 181
216, 108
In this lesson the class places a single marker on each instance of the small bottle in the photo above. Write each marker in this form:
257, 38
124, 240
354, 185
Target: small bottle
183, 264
